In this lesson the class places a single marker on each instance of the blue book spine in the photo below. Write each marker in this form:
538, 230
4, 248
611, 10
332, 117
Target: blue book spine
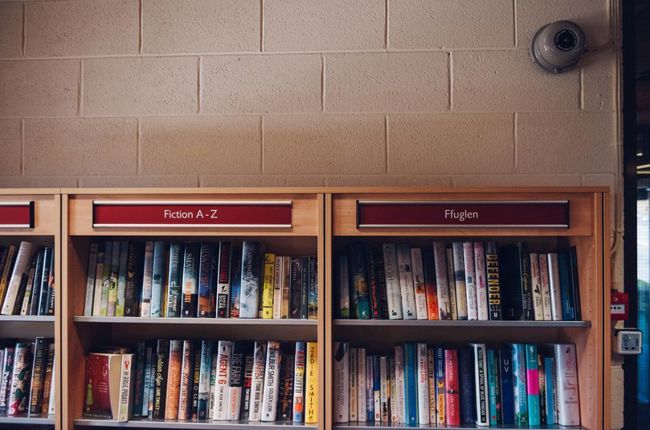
549, 371
157, 279
410, 384
493, 377
507, 395
370, 389
519, 384
440, 386
376, 388
204, 379
359, 281
235, 283
532, 385
466, 363
565, 287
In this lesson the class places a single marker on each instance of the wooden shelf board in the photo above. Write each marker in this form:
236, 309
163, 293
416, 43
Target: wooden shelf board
86, 422
36, 421
28, 319
381, 426
460, 323
198, 321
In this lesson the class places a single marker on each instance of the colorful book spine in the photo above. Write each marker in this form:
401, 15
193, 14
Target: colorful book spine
399, 384
410, 384
222, 387
493, 387
235, 282
566, 385
250, 280
519, 384
532, 385
284, 410
312, 384
20, 380
299, 383
536, 287
393, 294
452, 399
204, 380
157, 279
304, 287
449, 254
313, 288
223, 280
147, 384
18, 277
493, 281
267, 289
353, 387
376, 388
431, 382
121, 278
428, 264
362, 414
373, 282
24, 292
341, 382
551, 390
384, 392
48, 382
344, 287
359, 281
423, 384
32, 307
147, 277
405, 270
206, 278
278, 279
174, 369
441, 392
568, 307
542, 389
134, 279
442, 283
112, 280
190, 278
90, 278
236, 380
5, 381
7, 269
271, 382
174, 281
295, 289
38, 375
545, 286
419, 284
286, 287
480, 280
185, 391
481, 385
249, 361
126, 376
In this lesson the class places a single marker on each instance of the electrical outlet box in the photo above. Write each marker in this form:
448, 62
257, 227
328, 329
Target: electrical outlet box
628, 341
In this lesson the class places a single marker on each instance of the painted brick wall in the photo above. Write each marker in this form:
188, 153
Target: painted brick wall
118, 93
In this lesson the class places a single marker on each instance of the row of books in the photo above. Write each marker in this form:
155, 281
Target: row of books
204, 380
522, 385
205, 280
26, 382
26, 279
458, 281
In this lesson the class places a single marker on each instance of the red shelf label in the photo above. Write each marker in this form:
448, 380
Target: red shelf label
17, 214
223, 214
413, 214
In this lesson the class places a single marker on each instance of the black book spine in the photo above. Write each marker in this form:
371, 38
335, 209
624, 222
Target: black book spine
196, 373
45, 282
466, 371
510, 277
50, 287
313, 288
18, 304
575, 282
526, 288
285, 394
36, 285
138, 390
295, 288
246, 391
160, 379
38, 374
223, 281
493, 281
133, 289
304, 288
190, 280
378, 258
373, 283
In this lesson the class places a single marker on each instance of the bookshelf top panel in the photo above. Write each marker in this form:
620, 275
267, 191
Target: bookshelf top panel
304, 214
46, 213
582, 214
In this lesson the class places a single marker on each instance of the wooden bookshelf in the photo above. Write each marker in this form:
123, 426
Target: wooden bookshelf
45, 229
588, 230
303, 237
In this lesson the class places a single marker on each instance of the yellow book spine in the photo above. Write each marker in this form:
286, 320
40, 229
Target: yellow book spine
267, 291
311, 410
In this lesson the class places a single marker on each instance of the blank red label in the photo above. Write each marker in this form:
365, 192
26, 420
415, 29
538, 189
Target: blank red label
377, 214
17, 214
266, 214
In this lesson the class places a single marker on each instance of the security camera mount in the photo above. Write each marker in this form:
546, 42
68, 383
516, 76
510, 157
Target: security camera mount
558, 46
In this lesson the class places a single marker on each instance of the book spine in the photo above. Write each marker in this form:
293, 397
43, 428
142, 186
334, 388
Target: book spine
568, 309
431, 382
147, 279
196, 380
493, 281
480, 385
370, 391
352, 404
376, 388
207, 266
236, 380
138, 388
554, 287
459, 278
304, 288
147, 381
493, 382
286, 287
18, 277
299, 383
278, 277
157, 279
551, 398
173, 379
48, 382
32, 306
223, 285
295, 294
359, 281
6, 271
5, 382
392, 392
160, 385
313, 288
442, 283
452, 400
49, 302
407, 290
271, 382
235, 282
575, 282
174, 281
391, 273
512, 282
466, 389
536, 287
507, 393
419, 284
267, 289
190, 280
311, 408
441, 409
545, 287
284, 408
344, 286
566, 383
212, 397
121, 279
249, 361
519, 384
361, 385
250, 280
410, 384
384, 392
532, 385
112, 280
124, 407
20, 379
453, 298
542, 389
24, 292
480, 280
428, 264
134, 279
526, 282
470, 280
90, 279
341, 382
373, 283
222, 387
257, 381
423, 384
204, 380
38, 375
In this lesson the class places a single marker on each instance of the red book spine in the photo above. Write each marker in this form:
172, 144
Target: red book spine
452, 399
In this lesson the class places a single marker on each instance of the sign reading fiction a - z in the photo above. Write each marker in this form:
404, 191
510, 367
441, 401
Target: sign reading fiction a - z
413, 214
174, 214
17, 214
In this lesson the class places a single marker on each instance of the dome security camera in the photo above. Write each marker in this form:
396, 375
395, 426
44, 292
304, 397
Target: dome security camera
558, 46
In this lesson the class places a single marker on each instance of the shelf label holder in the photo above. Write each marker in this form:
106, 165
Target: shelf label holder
17, 214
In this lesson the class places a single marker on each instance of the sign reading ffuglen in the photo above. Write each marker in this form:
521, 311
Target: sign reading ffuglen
412, 214
174, 214
17, 214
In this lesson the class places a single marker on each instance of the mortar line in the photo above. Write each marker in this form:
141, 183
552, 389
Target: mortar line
141, 25
386, 24
515, 140
22, 146
386, 146
581, 95
322, 83
24, 41
262, 144
515, 39
199, 86
80, 93
261, 25
138, 147
450, 68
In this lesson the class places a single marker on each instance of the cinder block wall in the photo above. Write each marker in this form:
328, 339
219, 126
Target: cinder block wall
118, 93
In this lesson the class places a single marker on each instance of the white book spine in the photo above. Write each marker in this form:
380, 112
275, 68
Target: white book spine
480, 275
271, 381
125, 388
440, 258
90, 280
278, 276
99, 273
257, 382
393, 294
362, 410
459, 279
354, 388
546, 289
399, 380
470, 280
222, 387
536, 287
299, 382
406, 281
18, 276
453, 302
384, 388
52, 405
431, 381
554, 287
480, 385
156, 279
147, 280
250, 280
419, 285
341, 382
344, 287
568, 399
423, 384
393, 390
